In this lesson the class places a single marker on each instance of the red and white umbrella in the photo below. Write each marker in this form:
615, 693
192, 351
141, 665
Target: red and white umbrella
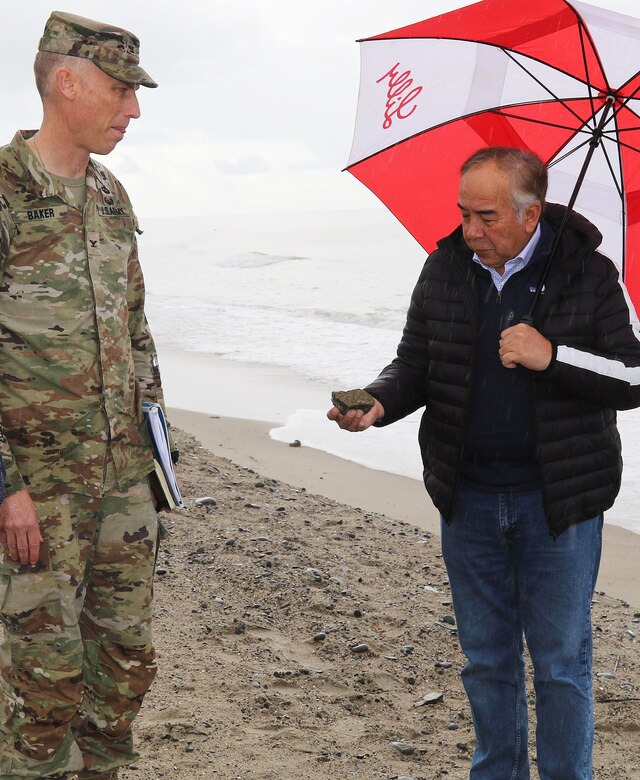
559, 78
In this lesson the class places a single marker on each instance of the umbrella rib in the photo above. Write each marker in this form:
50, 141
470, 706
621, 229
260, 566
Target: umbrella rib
419, 133
623, 206
620, 188
546, 123
480, 42
619, 185
569, 152
586, 32
633, 94
581, 32
622, 103
577, 148
500, 111
614, 135
621, 144
542, 84
593, 144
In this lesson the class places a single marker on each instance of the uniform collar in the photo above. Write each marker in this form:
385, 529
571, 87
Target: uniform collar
43, 180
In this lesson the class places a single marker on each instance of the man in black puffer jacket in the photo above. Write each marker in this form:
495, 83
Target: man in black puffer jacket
520, 449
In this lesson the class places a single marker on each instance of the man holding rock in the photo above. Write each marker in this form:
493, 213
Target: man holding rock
520, 449
78, 527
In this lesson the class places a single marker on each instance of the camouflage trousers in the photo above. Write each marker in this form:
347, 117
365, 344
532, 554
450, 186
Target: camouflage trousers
76, 657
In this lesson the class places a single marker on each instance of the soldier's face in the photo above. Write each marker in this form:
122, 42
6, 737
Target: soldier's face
104, 108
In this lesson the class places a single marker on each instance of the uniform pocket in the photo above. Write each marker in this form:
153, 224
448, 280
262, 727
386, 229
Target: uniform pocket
30, 600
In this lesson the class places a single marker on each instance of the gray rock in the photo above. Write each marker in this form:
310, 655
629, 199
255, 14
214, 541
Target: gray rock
406, 748
206, 501
429, 698
352, 399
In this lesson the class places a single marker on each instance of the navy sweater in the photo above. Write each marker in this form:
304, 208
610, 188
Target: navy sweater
499, 447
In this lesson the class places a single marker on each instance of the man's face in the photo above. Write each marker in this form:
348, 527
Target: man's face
104, 107
490, 224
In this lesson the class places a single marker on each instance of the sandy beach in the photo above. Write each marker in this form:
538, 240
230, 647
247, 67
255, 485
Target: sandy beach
305, 631
247, 443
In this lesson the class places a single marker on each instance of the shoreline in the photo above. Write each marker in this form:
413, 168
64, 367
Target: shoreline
247, 443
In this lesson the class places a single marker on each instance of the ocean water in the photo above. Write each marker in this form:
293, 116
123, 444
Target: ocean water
261, 316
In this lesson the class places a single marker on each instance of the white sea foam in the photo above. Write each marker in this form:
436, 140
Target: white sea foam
256, 260
322, 295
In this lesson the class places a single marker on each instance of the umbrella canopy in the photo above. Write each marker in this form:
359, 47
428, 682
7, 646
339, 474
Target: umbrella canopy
561, 79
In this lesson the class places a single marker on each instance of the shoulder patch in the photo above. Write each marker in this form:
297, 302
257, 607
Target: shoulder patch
113, 211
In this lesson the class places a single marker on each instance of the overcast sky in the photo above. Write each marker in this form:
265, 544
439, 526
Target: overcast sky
256, 103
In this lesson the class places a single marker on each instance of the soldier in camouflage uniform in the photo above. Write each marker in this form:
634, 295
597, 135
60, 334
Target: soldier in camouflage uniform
78, 526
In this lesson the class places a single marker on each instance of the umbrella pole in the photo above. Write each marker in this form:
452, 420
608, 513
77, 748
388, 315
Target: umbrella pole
528, 319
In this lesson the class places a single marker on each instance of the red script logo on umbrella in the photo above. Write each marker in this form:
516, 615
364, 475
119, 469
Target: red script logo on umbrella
397, 84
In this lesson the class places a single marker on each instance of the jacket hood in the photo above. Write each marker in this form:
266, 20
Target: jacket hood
585, 233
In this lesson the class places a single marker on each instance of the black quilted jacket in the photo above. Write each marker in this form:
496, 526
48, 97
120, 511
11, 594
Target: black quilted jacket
595, 370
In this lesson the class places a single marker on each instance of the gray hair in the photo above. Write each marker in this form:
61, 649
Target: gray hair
528, 174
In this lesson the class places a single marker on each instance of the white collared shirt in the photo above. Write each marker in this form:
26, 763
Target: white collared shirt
512, 267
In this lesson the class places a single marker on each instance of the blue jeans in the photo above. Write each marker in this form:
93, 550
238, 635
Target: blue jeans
511, 579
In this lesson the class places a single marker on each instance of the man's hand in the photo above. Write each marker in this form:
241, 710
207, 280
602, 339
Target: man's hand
355, 419
19, 528
525, 346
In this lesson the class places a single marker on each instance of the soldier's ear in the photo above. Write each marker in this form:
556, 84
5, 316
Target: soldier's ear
66, 83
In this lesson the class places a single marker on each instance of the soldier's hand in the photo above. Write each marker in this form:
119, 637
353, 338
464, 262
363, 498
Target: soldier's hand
355, 419
19, 528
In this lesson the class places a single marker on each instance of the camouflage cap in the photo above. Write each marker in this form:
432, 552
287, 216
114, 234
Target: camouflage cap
112, 49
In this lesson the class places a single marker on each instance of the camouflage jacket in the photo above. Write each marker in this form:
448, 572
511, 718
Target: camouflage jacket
76, 354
